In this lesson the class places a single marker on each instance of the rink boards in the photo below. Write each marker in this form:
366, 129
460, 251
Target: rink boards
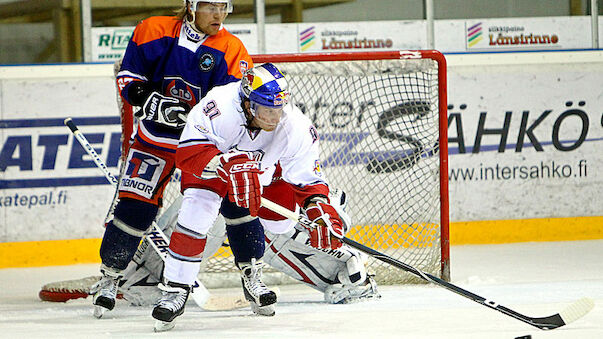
525, 139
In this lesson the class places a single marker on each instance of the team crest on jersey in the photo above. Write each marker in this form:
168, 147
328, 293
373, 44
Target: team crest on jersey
184, 91
202, 129
317, 168
207, 62
244, 66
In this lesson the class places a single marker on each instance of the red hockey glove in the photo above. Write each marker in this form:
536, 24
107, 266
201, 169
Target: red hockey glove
241, 173
329, 228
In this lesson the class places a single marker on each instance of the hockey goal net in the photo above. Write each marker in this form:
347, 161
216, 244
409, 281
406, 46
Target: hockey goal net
382, 122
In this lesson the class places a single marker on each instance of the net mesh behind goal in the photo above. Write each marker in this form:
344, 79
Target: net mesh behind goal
380, 117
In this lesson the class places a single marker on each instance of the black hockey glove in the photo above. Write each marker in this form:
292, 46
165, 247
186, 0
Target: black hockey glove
164, 110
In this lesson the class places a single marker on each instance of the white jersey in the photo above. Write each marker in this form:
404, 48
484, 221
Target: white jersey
219, 120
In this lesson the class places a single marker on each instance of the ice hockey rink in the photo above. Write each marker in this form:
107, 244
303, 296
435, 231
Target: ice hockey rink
535, 279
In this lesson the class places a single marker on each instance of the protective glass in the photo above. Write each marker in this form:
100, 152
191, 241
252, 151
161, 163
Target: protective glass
213, 7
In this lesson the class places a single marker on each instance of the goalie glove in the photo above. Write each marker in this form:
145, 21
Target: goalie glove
241, 174
328, 228
164, 110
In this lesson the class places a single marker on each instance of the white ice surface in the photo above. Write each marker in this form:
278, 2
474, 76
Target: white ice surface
536, 279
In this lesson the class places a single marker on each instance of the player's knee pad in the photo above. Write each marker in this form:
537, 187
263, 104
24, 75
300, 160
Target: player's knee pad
122, 235
245, 233
199, 209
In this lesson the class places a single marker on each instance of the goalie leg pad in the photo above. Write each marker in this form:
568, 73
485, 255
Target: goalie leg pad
340, 274
290, 254
122, 235
245, 233
345, 294
139, 283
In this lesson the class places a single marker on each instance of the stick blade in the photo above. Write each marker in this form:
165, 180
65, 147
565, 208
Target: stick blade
577, 310
225, 303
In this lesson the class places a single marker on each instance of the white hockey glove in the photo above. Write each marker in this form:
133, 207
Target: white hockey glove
329, 229
164, 110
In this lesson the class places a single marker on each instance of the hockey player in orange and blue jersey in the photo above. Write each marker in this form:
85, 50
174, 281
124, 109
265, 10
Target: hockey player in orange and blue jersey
169, 65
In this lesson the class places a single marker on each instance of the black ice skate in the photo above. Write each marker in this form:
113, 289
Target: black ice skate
262, 299
171, 305
105, 291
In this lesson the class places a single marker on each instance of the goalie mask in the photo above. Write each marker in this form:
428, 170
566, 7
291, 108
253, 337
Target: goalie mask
267, 91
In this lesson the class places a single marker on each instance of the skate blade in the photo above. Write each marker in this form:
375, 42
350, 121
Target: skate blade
99, 311
266, 311
162, 326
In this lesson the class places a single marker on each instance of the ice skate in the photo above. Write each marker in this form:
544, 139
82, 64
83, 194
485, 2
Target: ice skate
105, 291
171, 305
261, 299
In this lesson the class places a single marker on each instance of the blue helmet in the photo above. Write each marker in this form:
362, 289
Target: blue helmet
265, 85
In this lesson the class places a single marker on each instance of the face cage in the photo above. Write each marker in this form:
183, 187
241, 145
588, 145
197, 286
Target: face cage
195, 3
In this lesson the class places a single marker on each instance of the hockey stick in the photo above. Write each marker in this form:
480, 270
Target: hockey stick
156, 237
571, 313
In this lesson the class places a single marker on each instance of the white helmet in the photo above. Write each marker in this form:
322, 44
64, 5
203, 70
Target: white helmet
190, 21
194, 4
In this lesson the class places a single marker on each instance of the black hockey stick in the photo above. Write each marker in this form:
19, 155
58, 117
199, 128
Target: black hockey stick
571, 313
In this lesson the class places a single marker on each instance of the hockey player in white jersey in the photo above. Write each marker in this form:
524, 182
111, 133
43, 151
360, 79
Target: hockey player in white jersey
241, 142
